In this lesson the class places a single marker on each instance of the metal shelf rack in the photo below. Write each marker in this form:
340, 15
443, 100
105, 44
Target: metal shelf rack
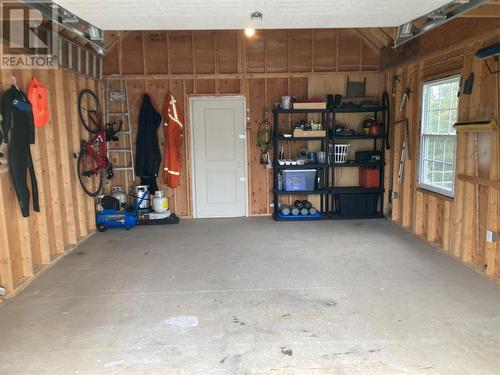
327, 195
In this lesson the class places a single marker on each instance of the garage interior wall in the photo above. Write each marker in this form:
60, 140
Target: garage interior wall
67, 215
300, 63
456, 225
303, 63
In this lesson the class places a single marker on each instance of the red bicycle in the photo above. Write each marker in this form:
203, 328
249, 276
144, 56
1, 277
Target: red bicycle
93, 162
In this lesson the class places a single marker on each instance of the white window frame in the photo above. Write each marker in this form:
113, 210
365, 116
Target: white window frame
421, 184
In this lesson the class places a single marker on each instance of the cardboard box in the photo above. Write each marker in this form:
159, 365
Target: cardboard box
310, 105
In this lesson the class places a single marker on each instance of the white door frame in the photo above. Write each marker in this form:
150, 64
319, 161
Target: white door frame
195, 98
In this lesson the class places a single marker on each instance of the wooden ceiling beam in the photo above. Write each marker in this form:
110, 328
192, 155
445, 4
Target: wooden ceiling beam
485, 11
444, 38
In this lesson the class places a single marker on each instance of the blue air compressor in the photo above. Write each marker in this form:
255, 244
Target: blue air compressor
110, 216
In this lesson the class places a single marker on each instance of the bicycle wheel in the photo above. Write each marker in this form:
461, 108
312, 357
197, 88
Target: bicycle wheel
91, 182
90, 111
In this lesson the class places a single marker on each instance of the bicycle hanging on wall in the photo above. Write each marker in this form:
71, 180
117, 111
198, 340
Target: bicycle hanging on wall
93, 162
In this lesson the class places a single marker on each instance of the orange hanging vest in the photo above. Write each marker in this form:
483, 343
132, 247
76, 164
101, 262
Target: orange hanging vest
37, 95
174, 124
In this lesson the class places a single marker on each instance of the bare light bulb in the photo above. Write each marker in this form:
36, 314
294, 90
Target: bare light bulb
249, 32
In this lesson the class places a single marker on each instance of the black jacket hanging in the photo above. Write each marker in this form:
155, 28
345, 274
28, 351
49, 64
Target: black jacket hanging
147, 154
19, 132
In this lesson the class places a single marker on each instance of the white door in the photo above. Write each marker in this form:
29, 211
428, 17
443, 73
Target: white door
219, 156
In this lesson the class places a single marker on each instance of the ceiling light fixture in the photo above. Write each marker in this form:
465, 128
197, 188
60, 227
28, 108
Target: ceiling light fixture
249, 32
256, 16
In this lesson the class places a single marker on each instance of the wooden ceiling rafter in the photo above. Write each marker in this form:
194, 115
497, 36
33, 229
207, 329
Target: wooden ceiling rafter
490, 10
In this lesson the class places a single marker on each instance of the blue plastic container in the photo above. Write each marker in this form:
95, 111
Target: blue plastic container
299, 179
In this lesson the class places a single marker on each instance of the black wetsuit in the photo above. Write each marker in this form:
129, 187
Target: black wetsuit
148, 154
19, 132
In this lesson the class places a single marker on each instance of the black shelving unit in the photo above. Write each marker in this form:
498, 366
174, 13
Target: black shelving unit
324, 210
377, 145
327, 208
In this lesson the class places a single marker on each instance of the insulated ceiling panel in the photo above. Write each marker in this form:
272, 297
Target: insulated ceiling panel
235, 14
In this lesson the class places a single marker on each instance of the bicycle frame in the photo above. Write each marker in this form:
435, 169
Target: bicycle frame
103, 162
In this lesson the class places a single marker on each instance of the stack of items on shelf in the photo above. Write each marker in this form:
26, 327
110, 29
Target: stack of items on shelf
369, 127
299, 209
304, 157
303, 129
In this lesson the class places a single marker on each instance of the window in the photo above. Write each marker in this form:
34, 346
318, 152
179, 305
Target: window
438, 140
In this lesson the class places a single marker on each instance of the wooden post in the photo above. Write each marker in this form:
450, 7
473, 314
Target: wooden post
74, 144
64, 178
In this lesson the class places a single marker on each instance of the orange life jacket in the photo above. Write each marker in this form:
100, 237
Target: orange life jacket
37, 95
174, 124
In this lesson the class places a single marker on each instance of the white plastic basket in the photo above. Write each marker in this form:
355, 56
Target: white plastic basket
341, 153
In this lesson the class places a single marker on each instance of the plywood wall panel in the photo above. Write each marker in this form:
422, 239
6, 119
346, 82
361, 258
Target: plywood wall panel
227, 51
132, 53
112, 56
276, 88
229, 86
325, 50
350, 44
181, 52
52, 186
204, 86
258, 188
370, 58
204, 58
301, 50
74, 145
276, 50
155, 48
255, 52
61, 126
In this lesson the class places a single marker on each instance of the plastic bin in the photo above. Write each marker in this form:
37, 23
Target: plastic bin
369, 177
299, 180
357, 205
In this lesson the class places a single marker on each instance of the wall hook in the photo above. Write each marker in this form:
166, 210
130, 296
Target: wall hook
14, 81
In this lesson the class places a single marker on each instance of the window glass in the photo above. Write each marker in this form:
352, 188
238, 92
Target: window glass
438, 138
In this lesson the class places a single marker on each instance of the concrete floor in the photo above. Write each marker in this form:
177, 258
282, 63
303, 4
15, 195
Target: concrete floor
250, 296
